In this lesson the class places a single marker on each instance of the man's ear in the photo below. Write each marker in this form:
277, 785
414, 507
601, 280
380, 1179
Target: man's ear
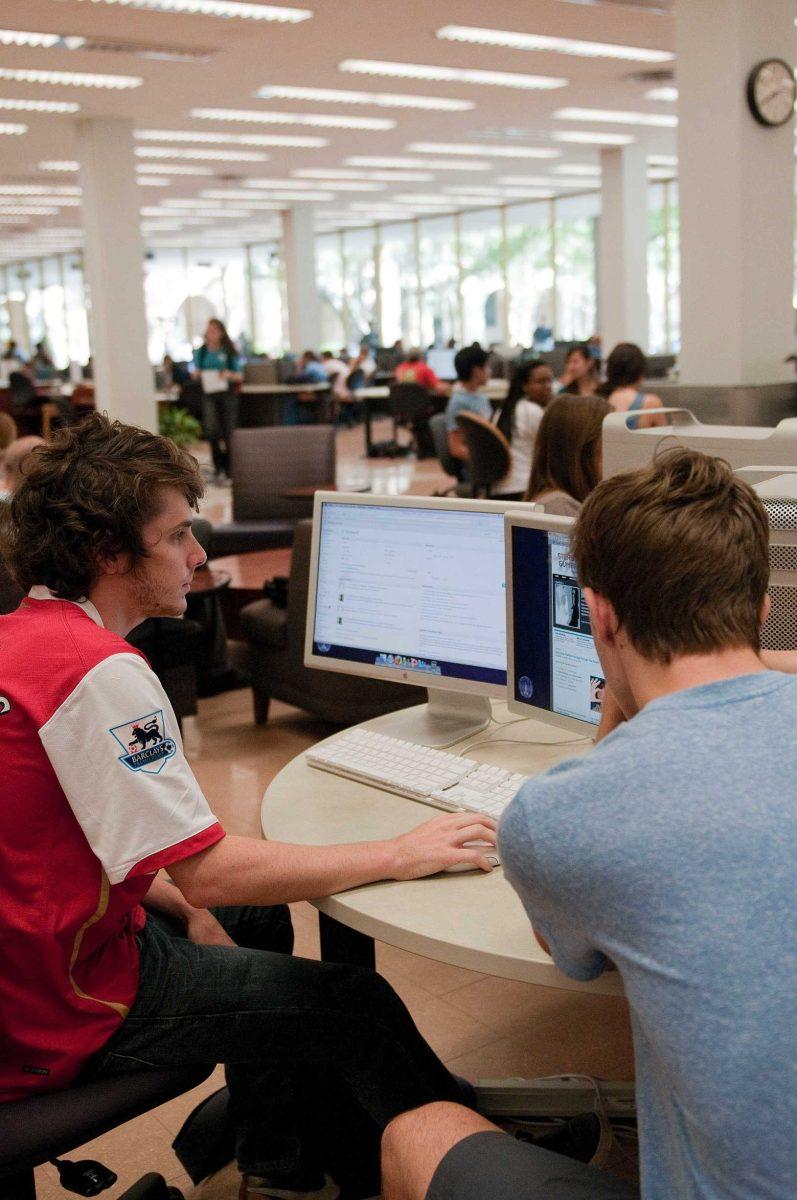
766, 608
602, 617
113, 564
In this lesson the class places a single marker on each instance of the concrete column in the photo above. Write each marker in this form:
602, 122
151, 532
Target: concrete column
114, 257
736, 196
298, 251
623, 247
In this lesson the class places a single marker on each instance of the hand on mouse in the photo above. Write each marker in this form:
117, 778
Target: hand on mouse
440, 843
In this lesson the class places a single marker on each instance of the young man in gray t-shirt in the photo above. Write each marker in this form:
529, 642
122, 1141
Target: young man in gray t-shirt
669, 854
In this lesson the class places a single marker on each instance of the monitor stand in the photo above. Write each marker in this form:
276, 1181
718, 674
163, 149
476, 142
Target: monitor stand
448, 717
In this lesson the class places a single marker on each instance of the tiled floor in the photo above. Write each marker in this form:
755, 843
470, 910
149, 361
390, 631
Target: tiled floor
481, 1026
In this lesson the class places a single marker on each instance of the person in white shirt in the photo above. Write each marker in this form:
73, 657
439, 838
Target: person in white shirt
530, 392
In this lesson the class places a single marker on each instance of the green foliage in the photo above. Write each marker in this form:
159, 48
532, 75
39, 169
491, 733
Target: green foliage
179, 425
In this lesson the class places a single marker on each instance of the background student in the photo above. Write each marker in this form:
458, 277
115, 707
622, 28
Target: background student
530, 393
567, 454
624, 388
581, 374
472, 365
217, 366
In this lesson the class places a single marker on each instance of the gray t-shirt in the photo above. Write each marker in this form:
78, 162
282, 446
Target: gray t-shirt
671, 850
462, 401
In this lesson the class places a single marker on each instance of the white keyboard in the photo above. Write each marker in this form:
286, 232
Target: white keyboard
434, 777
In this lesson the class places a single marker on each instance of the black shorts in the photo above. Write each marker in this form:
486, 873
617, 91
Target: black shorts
494, 1166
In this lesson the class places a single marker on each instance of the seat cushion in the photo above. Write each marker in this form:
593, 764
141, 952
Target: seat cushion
238, 537
264, 624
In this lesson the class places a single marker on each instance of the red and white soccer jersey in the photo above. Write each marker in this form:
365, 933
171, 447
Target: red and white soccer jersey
95, 797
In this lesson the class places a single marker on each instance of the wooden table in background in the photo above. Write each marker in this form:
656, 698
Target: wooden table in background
247, 574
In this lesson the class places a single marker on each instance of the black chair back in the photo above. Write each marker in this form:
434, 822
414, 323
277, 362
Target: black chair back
22, 390
438, 425
488, 452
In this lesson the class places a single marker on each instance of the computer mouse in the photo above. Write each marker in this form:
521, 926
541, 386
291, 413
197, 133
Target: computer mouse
489, 852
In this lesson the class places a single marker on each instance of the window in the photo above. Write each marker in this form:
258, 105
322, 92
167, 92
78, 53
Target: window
77, 317
399, 283
530, 270
329, 279
359, 283
169, 313
576, 291
270, 311
440, 310
664, 269
483, 296
54, 308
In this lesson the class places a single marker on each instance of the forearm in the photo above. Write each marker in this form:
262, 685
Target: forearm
239, 870
163, 896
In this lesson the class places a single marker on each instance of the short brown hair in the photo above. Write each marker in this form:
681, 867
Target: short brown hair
86, 495
565, 447
681, 550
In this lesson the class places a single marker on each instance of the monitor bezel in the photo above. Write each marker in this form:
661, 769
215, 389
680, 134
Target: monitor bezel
369, 670
545, 523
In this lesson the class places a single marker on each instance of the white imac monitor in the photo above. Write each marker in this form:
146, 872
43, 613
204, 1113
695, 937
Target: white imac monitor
442, 363
625, 447
554, 673
412, 589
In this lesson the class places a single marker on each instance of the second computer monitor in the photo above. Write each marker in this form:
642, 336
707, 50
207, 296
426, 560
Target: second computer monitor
554, 673
442, 363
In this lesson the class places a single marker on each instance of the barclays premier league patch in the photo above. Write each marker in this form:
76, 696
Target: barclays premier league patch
145, 743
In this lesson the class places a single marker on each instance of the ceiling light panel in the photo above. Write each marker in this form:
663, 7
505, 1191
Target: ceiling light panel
70, 78
59, 164
363, 66
332, 185
209, 155
666, 94
42, 41
322, 120
36, 189
12, 129
161, 168
252, 198
588, 137
13, 210
235, 139
486, 151
662, 160
378, 99
39, 106
333, 173
613, 116
152, 181
538, 42
231, 9
576, 169
359, 160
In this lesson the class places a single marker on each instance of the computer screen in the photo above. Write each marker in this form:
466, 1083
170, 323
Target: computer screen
410, 589
554, 670
442, 363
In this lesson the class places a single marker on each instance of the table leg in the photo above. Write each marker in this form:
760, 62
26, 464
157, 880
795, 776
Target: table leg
343, 945
367, 426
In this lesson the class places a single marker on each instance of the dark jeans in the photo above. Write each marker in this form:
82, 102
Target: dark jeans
319, 1056
220, 413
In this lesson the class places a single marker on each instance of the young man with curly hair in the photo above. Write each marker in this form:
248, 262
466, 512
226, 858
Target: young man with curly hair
669, 854
96, 797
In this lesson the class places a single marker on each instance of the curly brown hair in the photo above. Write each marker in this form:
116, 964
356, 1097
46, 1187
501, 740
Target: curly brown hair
86, 495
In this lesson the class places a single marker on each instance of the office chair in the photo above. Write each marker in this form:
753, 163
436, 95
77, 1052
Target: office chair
44, 1127
438, 427
25, 403
488, 451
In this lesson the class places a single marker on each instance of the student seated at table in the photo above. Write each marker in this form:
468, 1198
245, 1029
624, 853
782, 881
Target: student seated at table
310, 370
472, 365
624, 388
567, 454
530, 393
96, 796
415, 369
581, 374
41, 362
667, 853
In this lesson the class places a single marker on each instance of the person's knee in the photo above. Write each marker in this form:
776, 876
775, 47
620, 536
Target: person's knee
415, 1143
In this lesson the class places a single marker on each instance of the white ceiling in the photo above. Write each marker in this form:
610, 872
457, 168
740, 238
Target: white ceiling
246, 55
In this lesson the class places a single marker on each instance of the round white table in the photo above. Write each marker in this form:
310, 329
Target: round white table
468, 919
